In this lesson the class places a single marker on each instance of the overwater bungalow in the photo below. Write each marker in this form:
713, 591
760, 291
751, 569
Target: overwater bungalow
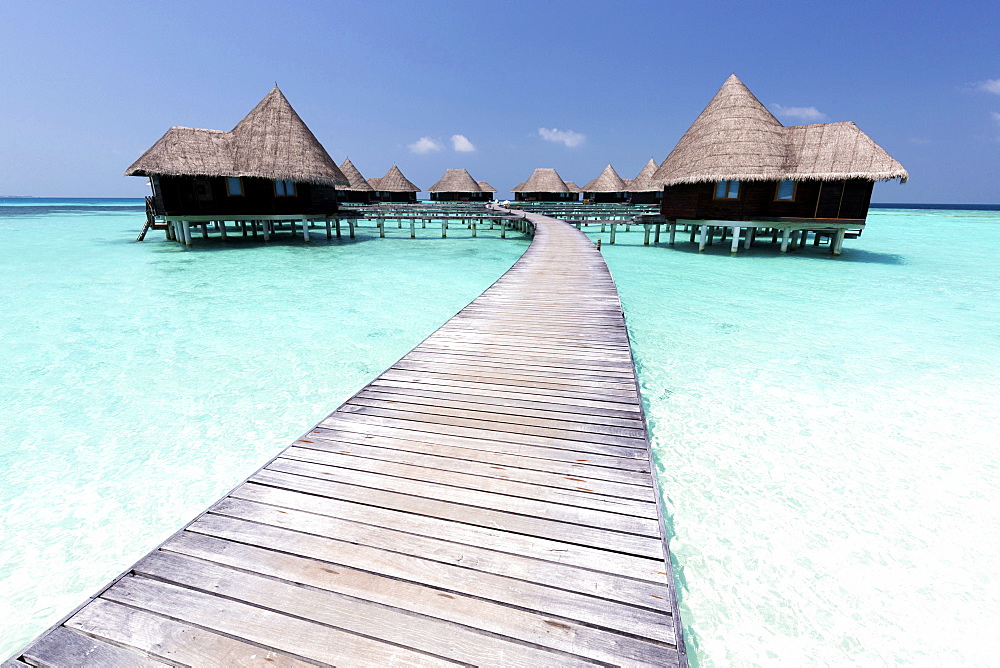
544, 185
487, 188
737, 162
269, 165
642, 189
457, 185
358, 190
574, 191
608, 187
394, 187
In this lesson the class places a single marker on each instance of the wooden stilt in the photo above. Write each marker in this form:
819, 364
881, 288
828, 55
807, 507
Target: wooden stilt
305, 231
656, 237
645, 235
703, 238
692, 230
612, 239
444, 229
736, 240
186, 226
413, 229
204, 230
266, 230
750, 231
222, 228
381, 229
673, 234
785, 238
473, 228
838, 242
774, 235
350, 225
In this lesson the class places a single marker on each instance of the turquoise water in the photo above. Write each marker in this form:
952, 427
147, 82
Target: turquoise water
141, 382
824, 429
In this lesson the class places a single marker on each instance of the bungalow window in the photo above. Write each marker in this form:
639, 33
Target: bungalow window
727, 190
785, 191
234, 186
284, 188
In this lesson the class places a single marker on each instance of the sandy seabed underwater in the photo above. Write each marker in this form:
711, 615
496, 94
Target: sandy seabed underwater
823, 429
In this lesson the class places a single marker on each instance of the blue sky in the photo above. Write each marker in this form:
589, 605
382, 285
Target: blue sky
85, 88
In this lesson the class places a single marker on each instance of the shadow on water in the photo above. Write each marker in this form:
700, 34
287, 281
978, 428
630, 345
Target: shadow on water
761, 251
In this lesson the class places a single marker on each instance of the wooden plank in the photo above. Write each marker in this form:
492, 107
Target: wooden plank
65, 647
558, 489
599, 479
173, 641
398, 582
267, 525
261, 624
388, 625
578, 534
490, 537
618, 447
441, 489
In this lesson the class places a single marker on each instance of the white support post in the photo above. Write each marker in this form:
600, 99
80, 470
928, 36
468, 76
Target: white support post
673, 234
381, 228
838, 241
413, 228
736, 240
750, 232
656, 237
305, 231
444, 229
702, 238
186, 229
473, 228
785, 238
613, 226
645, 235
350, 224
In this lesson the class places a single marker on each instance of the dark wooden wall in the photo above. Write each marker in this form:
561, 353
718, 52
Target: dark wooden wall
836, 199
461, 197
382, 196
606, 198
547, 197
179, 196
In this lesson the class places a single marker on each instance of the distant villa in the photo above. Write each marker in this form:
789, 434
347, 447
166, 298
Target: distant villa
270, 163
737, 162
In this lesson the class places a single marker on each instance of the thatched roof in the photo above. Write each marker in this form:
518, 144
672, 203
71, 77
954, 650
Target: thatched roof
394, 182
272, 142
572, 187
543, 180
357, 181
485, 187
607, 181
737, 138
456, 181
643, 181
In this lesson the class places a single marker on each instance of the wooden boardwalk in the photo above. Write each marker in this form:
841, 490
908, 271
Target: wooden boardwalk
488, 500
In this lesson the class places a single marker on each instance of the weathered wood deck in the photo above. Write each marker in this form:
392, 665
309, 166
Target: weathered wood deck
488, 500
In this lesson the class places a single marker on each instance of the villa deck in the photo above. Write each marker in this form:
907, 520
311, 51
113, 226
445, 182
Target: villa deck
487, 500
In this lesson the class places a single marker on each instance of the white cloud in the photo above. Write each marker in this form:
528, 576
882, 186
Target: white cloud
462, 144
425, 145
995, 116
567, 137
800, 113
989, 86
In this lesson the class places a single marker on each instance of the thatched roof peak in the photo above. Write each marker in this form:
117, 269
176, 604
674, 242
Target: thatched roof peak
643, 181
543, 180
270, 142
737, 138
395, 182
455, 181
485, 187
607, 181
354, 177
572, 187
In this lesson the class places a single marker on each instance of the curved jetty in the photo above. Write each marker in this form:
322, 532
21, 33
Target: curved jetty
488, 500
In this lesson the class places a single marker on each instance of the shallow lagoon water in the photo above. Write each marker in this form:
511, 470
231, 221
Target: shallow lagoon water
824, 429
